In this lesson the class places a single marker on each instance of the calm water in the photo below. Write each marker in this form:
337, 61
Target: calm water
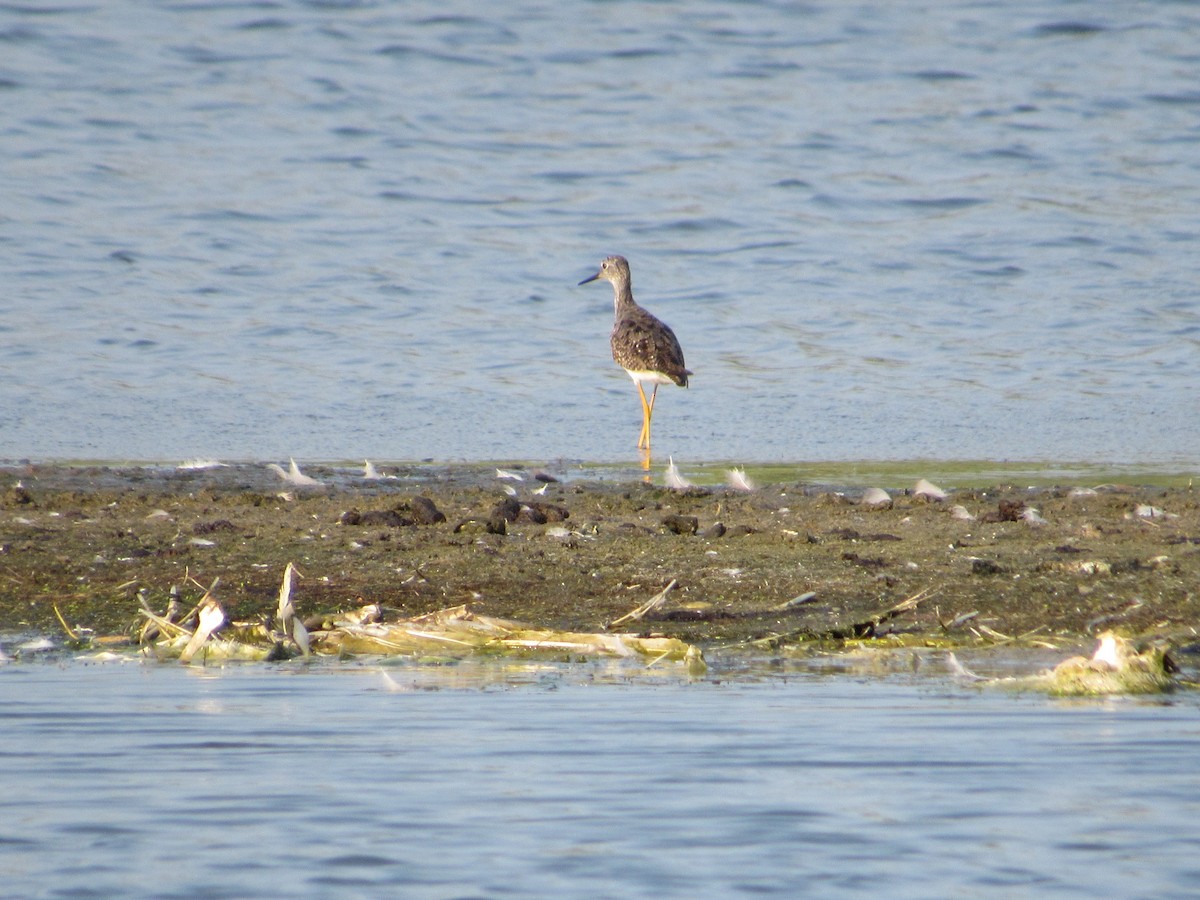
353, 228
268, 782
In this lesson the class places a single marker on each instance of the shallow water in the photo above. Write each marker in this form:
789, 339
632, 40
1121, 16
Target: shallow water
539, 780
342, 229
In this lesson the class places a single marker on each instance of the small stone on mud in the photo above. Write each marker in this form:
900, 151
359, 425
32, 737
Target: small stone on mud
507, 509
681, 524
541, 513
424, 512
1006, 511
533, 515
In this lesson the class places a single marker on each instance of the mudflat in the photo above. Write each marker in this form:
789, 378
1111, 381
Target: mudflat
781, 564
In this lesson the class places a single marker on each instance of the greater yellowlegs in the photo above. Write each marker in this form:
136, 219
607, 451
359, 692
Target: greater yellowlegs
642, 345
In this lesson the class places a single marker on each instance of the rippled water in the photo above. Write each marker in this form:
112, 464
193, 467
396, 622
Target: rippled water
353, 228
267, 782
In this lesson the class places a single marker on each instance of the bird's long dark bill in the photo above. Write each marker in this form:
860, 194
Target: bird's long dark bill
593, 278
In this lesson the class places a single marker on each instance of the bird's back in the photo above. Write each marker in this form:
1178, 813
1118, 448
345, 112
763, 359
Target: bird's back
642, 343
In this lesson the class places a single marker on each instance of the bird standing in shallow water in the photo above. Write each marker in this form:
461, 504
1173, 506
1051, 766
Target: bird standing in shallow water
642, 345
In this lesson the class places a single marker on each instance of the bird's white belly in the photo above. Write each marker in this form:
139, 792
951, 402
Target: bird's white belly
649, 377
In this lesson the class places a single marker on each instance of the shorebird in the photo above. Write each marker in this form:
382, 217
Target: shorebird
642, 345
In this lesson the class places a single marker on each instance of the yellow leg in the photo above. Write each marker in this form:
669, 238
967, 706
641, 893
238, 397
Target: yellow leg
650, 413
644, 435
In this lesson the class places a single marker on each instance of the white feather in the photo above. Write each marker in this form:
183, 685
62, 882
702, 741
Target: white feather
372, 474
928, 490
284, 611
293, 475
212, 617
876, 497
1110, 651
300, 635
674, 480
958, 670
1032, 516
739, 480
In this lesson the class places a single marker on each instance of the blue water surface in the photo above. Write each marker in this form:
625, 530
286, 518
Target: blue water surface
151, 780
331, 230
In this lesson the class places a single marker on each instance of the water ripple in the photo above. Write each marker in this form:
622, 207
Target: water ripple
810, 199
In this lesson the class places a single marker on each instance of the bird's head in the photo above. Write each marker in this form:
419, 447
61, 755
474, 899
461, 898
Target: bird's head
614, 269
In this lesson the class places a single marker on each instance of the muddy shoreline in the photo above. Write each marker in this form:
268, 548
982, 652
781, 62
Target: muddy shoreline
779, 567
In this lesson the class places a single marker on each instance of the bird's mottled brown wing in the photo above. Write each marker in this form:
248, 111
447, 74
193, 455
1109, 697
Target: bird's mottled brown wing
643, 343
